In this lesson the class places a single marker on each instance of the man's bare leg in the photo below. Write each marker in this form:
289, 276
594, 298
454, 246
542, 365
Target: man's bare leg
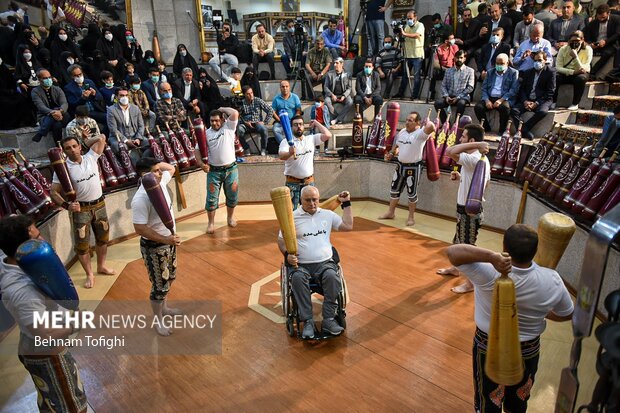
90, 277
211, 224
466, 287
229, 217
449, 271
158, 311
170, 310
410, 219
102, 252
391, 210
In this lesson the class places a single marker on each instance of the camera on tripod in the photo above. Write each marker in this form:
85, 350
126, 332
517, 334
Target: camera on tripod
435, 37
217, 21
299, 26
399, 25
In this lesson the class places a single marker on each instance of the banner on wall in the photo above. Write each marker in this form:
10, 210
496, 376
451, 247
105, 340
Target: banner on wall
75, 11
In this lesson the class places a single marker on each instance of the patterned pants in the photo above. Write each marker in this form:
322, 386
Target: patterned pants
161, 264
94, 216
406, 175
489, 396
467, 226
229, 178
58, 383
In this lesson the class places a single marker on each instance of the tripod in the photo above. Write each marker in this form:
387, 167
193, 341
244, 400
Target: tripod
406, 71
298, 69
354, 47
430, 73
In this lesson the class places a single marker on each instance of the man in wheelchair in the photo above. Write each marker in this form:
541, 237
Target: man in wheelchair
314, 258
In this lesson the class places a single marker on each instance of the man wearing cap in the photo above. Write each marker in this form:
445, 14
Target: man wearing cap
573, 67
337, 89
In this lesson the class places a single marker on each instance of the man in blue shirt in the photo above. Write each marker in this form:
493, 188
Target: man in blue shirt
333, 39
524, 58
288, 101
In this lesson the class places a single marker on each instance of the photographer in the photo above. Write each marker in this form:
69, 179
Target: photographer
132, 49
295, 46
413, 32
227, 44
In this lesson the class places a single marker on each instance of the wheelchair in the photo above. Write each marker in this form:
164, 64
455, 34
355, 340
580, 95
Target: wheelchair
289, 306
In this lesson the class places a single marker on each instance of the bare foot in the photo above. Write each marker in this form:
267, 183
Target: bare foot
163, 331
410, 222
90, 281
449, 271
232, 223
466, 287
210, 228
172, 311
387, 215
106, 271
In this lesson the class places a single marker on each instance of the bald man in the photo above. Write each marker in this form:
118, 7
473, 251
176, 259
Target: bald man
168, 108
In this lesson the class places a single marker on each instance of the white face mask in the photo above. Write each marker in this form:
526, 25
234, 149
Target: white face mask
62, 37
124, 100
27, 56
0, 60
109, 37
183, 53
79, 79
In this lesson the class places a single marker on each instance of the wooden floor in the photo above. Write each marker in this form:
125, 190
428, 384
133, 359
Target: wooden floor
407, 346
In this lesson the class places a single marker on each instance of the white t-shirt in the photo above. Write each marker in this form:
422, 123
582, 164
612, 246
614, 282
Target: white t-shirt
144, 212
468, 161
410, 145
303, 166
313, 232
84, 177
538, 291
222, 144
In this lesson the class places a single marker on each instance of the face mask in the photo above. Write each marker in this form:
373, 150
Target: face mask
129, 38
367, 70
495, 39
0, 60
47, 82
154, 79
291, 30
109, 37
452, 42
62, 37
109, 85
150, 60
136, 86
500, 68
70, 60
575, 45
539, 65
317, 104
27, 56
183, 53
411, 22
81, 121
438, 26
124, 100
387, 46
167, 95
79, 79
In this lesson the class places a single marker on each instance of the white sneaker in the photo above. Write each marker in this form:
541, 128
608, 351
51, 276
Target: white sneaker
263, 152
573, 107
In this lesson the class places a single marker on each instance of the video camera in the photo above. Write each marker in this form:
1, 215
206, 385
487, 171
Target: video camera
399, 25
299, 26
217, 21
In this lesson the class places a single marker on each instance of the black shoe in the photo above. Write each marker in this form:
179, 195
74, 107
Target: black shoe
37, 137
397, 96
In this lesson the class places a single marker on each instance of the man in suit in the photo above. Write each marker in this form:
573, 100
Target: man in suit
51, 105
535, 94
457, 86
150, 87
524, 27
83, 91
126, 125
562, 27
610, 138
467, 34
499, 92
337, 89
497, 20
187, 90
368, 88
490, 51
603, 33
515, 16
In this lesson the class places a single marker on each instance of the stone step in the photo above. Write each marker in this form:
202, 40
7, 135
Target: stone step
594, 118
614, 88
605, 102
22, 138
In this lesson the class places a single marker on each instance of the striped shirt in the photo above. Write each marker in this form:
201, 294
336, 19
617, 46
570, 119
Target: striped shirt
388, 59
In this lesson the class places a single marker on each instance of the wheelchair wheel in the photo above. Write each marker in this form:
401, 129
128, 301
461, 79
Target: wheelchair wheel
341, 314
343, 287
290, 327
284, 291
